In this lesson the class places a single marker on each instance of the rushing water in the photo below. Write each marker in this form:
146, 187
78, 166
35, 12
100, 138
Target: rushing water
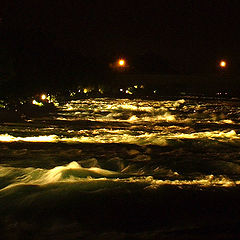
123, 169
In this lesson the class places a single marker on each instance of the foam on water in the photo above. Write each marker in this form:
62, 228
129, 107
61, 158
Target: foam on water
117, 110
127, 136
73, 172
9, 138
122, 169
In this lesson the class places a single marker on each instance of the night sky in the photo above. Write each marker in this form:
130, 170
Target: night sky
192, 35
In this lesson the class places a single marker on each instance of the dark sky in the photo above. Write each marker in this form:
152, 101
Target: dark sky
191, 34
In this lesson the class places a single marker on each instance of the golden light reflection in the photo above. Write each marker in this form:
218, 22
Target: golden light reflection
208, 134
10, 138
205, 181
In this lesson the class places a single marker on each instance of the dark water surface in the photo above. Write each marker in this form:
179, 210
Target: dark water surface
123, 169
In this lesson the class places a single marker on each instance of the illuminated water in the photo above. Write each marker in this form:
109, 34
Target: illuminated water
123, 169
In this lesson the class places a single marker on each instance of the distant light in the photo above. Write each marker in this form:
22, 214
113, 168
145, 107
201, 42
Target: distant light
121, 89
121, 62
129, 92
43, 97
34, 102
223, 64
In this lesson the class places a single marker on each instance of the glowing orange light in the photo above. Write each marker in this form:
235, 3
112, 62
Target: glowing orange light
223, 64
43, 97
121, 62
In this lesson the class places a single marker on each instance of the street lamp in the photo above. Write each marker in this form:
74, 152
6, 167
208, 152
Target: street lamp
121, 63
223, 64
43, 96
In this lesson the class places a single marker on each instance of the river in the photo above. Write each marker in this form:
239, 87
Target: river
105, 168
